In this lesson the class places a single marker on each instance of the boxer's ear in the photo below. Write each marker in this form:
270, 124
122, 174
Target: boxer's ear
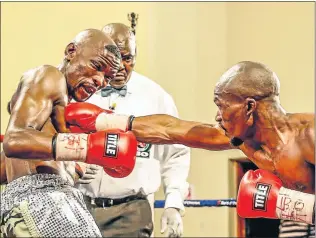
70, 51
250, 108
251, 105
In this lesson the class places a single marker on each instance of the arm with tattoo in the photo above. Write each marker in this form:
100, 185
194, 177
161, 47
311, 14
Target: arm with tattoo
42, 89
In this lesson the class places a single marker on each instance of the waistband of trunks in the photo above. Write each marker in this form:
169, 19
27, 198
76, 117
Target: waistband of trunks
36, 181
18, 189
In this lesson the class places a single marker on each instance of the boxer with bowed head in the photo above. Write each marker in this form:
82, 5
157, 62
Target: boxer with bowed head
90, 61
250, 118
40, 150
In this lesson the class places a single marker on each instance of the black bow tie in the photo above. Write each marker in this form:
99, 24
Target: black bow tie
105, 92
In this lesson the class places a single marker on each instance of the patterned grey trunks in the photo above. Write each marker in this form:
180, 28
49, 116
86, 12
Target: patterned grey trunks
50, 206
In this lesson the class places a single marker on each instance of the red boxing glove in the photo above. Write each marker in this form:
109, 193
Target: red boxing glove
114, 150
81, 117
261, 195
257, 195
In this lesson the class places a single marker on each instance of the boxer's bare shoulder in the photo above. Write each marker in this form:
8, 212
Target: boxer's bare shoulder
46, 78
298, 154
307, 139
304, 125
40, 97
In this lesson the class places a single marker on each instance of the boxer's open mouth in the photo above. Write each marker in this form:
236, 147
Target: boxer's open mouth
225, 131
90, 89
222, 127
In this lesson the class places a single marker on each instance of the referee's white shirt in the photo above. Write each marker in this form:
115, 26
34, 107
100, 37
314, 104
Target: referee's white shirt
154, 163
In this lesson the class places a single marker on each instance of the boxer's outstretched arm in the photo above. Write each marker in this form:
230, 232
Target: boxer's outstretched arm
156, 129
165, 129
42, 89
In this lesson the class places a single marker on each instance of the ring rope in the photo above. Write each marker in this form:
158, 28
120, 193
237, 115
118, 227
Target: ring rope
202, 203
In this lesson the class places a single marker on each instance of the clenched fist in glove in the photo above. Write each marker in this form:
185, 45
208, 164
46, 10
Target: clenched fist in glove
113, 149
86, 117
171, 221
261, 194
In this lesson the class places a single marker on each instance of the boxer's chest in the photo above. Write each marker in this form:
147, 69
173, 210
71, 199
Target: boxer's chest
287, 163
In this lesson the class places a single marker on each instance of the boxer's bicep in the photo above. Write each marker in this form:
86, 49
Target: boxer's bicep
33, 107
59, 120
204, 136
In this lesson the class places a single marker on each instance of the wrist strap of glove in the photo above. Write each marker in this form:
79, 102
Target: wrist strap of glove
130, 122
106, 121
296, 206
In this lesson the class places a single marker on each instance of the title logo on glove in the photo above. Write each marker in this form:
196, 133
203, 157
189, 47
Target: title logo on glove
111, 148
260, 196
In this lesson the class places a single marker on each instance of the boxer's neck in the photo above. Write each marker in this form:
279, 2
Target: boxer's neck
271, 125
62, 69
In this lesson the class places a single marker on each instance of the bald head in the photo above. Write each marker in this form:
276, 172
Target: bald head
90, 35
249, 79
122, 35
95, 40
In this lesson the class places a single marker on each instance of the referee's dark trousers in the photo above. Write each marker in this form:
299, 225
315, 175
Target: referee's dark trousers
125, 217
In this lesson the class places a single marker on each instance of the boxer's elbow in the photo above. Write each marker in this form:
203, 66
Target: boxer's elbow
12, 143
3, 174
9, 143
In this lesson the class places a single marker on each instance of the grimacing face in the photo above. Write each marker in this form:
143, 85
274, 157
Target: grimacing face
233, 115
89, 70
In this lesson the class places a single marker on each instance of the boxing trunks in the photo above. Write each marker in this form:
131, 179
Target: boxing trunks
296, 229
45, 205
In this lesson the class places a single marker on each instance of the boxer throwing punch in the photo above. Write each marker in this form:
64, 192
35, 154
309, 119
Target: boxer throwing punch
40, 200
251, 118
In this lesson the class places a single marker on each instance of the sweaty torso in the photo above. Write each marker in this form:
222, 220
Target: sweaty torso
289, 161
16, 168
